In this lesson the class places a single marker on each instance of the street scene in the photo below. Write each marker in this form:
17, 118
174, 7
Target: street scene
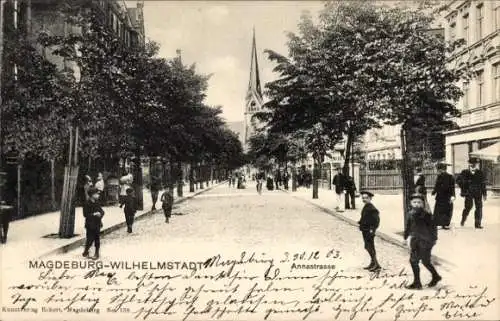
187, 160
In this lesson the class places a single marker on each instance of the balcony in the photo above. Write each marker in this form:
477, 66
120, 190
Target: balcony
479, 115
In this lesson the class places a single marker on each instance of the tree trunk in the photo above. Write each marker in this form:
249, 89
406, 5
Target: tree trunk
202, 176
407, 174
316, 173
138, 180
191, 178
348, 149
53, 204
171, 175
179, 178
294, 178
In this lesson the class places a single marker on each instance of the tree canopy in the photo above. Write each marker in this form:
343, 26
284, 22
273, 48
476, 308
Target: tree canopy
123, 98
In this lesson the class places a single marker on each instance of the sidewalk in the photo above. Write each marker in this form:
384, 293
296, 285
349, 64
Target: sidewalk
27, 238
466, 247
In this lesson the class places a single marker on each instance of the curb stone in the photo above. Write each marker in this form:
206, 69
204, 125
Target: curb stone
81, 240
384, 236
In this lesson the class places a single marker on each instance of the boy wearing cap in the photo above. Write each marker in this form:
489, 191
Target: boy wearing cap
368, 224
93, 214
473, 188
444, 189
422, 231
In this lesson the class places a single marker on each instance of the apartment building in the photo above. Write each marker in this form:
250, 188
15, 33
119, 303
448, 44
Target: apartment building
478, 23
36, 181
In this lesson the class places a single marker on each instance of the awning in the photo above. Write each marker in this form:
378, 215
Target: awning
491, 153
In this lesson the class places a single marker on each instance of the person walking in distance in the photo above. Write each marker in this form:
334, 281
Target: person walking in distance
167, 200
155, 188
130, 209
422, 234
368, 224
339, 183
444, 189
99, 184
125, 183
93, 214
473, 188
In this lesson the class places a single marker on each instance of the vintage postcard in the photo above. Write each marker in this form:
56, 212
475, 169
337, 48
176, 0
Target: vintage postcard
249, 160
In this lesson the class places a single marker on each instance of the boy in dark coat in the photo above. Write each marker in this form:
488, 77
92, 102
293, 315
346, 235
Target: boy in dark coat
421, 229
368, 224
444, 189
167, 199
130, 209
93, 214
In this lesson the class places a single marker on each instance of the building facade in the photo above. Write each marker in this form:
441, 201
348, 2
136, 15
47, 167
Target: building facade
478, 24
31, 186
383, 144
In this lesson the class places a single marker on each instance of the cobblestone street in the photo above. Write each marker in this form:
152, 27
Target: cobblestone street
273, 226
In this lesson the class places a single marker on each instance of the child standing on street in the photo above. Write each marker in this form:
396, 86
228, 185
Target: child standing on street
422, 231
167, 199
130, 208
93, 214
368, 224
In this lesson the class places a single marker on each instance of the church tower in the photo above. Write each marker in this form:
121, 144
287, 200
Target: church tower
254, 100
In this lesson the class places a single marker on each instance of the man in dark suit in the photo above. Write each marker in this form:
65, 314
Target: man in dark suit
368, 224
444, 189
350, 195
472, 183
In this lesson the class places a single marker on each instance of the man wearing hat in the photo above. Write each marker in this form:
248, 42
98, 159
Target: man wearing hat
422, 231
444, 189
93, 214
368, 224
473, 188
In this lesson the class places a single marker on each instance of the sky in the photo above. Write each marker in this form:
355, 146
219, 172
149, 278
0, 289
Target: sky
217, 36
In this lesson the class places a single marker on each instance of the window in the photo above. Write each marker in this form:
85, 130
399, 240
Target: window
466, 28
453, 31
496, 82
466, 95
480, 88
480, 21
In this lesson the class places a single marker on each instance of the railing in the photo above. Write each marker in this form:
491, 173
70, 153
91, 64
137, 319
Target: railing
390, 179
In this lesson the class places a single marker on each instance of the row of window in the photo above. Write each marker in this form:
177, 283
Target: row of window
481, 88
481, 28
121, 29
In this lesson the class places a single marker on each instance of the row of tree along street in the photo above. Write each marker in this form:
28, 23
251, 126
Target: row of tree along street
359, 67
115, 101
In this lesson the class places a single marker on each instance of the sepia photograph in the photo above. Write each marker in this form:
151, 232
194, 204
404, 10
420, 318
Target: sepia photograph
249, 160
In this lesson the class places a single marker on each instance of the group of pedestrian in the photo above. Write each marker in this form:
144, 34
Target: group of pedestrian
93, 212
237, 179
472, 184
344, 185
421, 231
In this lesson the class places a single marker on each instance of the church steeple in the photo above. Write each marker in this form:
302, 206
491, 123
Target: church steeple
254, 100
254, 92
